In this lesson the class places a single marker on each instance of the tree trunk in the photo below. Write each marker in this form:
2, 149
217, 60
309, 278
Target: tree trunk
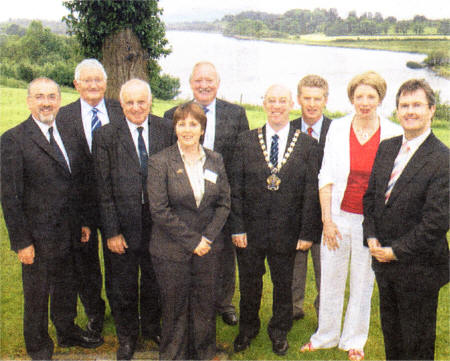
123, 59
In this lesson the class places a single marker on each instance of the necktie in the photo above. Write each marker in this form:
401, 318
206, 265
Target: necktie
205, 109
274, 150
399, 164
143, 158
57, 149
95, 123
309, 130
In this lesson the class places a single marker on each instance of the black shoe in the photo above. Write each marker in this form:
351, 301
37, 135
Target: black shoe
230, 318
280, 347
95, 327
125, 350
299, 315
156, 338
242, 342
79, 337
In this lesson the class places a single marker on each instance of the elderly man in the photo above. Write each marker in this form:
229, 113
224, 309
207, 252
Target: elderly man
121, 153
224, 122
41, 203
81, 118
312, 96
275, 210
405, 225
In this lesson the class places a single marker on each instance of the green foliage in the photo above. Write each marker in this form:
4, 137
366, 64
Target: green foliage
442, 109
93, 21
39, 52
165, 87
438, 57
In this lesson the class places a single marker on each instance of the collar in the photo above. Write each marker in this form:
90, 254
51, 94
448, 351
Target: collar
211, 106
87, 108
133, 127
317, 126
416, 142
183, 157
44, 127
282, 133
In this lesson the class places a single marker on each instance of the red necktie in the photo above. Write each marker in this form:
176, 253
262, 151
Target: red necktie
309, 130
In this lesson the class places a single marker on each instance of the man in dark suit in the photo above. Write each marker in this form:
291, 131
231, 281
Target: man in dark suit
224, 122
405, 225
274, 211
41, 204
80, 119
121, 152
312, 96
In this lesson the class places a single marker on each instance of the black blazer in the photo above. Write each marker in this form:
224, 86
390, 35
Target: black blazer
69, 118
297, 123
119, 176
178, 224
40, 197
276, 219
414, 221
231, 120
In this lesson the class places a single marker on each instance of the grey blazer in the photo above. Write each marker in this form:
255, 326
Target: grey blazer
178, 224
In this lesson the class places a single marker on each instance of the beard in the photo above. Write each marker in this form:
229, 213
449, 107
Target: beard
46, 118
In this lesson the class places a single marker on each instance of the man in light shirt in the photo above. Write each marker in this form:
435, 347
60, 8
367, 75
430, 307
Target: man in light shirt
405, 226
312, 96
274, 212
43, 212
121, 152
81, 119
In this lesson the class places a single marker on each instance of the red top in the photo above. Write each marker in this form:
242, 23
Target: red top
362, 157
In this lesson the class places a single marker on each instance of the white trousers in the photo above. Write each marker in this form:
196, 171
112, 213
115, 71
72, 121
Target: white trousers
332, 288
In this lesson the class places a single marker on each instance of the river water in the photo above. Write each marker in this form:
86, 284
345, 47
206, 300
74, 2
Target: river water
248, 67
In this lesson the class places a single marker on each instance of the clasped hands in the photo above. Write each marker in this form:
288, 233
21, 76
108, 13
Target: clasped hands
382, 254
203, 247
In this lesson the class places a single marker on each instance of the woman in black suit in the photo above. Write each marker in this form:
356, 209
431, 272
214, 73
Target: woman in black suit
189, 202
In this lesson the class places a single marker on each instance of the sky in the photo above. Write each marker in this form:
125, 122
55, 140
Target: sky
208, 10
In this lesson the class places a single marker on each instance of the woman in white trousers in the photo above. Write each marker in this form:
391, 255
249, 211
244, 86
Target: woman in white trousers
349, 153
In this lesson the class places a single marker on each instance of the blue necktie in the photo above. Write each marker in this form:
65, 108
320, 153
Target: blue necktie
143, 158
274, 150
205, 109
95, 123
57, 149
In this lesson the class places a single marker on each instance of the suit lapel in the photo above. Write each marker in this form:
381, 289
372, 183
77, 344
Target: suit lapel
209, 164
152, 136
221, 123
126, 140
418, 160
78, 121
181, 176
323, 132
39, 138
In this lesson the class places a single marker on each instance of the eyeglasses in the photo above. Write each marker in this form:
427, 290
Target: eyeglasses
92, 80
51, 98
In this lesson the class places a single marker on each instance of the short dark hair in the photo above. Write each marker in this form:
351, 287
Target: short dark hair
193, 109
412, 85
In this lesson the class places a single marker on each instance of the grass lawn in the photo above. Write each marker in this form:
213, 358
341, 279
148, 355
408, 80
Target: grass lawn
13, 110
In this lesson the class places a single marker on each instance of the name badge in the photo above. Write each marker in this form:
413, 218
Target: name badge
209, 175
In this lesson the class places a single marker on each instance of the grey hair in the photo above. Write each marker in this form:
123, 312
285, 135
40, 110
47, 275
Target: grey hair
89, 63
44, 79
204, 63
138, 81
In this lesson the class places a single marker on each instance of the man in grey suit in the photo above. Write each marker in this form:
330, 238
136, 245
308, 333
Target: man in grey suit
120, 154
80, 119
312, 96
224, 122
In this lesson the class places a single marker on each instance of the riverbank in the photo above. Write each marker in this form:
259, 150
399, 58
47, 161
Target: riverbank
426, 44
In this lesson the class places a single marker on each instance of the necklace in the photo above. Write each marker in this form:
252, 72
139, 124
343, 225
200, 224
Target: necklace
273, 181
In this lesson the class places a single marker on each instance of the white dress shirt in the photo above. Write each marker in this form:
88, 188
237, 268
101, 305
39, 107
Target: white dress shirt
210, 131
316, 128
135, 134
86, 116
414, 144
195, 173
44, 129
282, 140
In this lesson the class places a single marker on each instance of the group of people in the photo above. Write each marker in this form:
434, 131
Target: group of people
178, 199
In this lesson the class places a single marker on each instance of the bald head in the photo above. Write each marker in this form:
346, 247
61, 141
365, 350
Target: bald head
136, 100
278, 104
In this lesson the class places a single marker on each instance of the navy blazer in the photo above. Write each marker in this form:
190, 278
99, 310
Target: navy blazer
414, 221
178, 224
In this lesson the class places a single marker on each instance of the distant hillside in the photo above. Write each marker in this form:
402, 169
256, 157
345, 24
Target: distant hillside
57, 27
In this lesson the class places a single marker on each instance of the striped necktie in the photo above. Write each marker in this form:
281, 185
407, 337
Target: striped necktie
95, 123
274, 150
399, 164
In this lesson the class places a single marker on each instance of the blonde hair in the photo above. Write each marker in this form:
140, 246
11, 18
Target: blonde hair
369, 78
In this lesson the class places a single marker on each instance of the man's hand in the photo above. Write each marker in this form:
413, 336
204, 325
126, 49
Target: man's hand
303, 245
331, 235
203, 247
373, 243
383, 254
85, 234
117, 244
240, 240
26, 255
